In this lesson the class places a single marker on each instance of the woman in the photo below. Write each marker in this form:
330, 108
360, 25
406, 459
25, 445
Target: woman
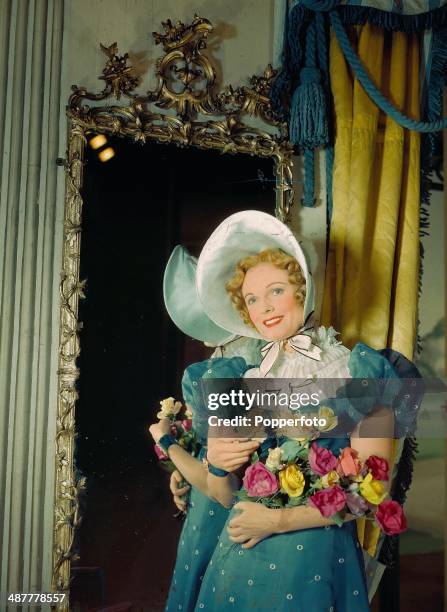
203, 514
253, 279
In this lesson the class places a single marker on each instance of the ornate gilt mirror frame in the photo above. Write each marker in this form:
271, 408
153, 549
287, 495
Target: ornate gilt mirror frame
188, 109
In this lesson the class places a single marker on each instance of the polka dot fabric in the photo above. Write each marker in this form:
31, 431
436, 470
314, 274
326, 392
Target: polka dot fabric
202, 527
205, 518
278, 575
312, 570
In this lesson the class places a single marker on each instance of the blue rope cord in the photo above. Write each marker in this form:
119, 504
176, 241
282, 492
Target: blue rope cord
311, 47
374, 93
308, 198
322, 49
291, 60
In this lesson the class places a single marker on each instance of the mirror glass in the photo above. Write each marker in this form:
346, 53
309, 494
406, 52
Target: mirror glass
139, 203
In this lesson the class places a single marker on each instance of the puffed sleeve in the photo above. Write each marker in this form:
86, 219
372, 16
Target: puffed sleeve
220, 370
371, 384
379, 378
374, 382
191, 376
410, 396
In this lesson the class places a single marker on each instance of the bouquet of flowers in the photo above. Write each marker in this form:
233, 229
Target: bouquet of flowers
181, 429
300, 472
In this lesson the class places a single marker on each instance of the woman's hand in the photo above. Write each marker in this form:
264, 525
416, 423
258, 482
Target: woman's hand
230, 453
254, 523
158, 430
179, 489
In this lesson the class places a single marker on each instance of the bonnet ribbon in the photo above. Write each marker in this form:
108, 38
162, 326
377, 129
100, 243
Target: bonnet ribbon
301, 343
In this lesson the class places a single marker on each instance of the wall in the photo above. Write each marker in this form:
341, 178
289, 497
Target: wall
240, 28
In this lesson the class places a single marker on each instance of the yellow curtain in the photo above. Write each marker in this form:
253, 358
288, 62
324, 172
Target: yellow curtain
371, 283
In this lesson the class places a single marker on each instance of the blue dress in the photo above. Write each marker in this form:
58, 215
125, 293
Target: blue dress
310, 570
205, 518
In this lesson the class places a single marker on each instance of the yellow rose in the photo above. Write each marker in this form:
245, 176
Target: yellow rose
169, 408
292, 481
372, 490
328, 415
329, 479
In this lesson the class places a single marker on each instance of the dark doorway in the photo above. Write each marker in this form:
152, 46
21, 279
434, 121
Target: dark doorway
137, 207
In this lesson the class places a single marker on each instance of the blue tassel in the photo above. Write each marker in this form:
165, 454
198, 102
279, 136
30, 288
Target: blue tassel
291, 59
308, 120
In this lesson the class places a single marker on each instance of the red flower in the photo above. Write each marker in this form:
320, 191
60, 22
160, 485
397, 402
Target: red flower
348, 464
329, 501
378, 466
391, 518
187, 424
160, 453
321, 460
259, 481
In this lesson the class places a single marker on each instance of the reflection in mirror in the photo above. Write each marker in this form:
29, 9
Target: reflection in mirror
138, 204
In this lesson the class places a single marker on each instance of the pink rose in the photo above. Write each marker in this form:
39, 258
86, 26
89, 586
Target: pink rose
259, 481
356, 503
378, 466
160, 453
187, 424
321, 460
329, 501
348, 464
391, 518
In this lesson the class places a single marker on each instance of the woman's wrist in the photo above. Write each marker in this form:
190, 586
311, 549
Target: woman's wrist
215, 471
166, 441
303, 517
281, 522
293, 519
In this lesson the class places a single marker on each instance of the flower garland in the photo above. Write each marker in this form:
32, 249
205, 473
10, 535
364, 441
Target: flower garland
181, 429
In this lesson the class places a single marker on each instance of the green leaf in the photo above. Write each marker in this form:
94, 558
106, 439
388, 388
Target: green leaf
273, 501
338, 519
167, 466
295, 501
290, 450
254, 458
275, 504
303, 454
316, 486
241, 497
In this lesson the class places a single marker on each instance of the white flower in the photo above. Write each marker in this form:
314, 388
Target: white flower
273, 462
328, 415
169, 408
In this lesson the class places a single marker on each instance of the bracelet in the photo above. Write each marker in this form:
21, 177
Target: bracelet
166, 441
215, 471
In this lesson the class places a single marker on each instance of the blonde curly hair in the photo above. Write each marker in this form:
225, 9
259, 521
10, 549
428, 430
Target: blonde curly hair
280, 260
